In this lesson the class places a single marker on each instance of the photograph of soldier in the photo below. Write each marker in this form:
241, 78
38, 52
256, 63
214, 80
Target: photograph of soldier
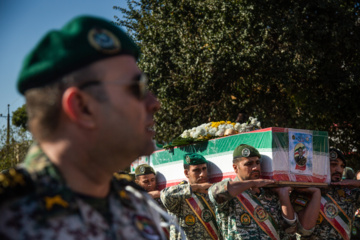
189, 201
338, 204
299, 154
246, 210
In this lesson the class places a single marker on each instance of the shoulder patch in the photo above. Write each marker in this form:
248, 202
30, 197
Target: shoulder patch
15, 183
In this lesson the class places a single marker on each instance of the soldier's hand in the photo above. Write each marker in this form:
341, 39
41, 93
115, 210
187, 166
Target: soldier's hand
258, 183
200, 187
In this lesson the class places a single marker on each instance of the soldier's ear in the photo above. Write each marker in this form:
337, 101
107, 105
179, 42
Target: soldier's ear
186, 172
235, 168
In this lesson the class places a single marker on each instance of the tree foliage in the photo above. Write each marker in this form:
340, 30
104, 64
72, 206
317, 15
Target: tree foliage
19, 118
288, 63
15, 151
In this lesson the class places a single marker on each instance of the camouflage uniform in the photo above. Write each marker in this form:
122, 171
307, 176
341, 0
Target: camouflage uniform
347, 199
173, 199
355, 232
49, 209
236, 223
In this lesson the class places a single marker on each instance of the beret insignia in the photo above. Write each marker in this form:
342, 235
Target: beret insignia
142, 170
245, 152
333, 155
188, 159
104, 41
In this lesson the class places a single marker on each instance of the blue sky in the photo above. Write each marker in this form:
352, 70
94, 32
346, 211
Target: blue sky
24, 22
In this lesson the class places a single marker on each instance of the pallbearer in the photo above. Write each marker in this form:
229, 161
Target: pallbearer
189, 201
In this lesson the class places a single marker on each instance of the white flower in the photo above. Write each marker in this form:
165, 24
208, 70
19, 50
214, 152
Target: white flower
185, 134
254, 121
258, 124
251, 118
244, 125
220, 133
222, 126
229, 126
212, 131
201, 130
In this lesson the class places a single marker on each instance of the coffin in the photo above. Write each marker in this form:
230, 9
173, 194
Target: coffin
293, 155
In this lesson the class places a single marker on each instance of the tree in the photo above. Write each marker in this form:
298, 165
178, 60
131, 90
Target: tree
19, 118
20, 140
289, 63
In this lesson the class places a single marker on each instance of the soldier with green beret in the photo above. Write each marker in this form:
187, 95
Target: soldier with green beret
338, 203
245, 210
90, 113
145, 177
189, 201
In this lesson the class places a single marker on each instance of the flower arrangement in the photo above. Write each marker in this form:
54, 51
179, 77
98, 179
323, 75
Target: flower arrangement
211, 130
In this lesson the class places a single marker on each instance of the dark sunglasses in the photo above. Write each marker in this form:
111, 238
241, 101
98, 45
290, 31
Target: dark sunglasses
138, 88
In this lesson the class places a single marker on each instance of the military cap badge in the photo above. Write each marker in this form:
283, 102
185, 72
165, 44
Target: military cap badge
142, 170
333, 155
245, 152
104, 41
188, 160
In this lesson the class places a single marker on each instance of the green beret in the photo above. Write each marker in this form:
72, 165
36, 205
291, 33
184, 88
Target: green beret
335, 153
244, 150
81, 42
194, 159
144, 169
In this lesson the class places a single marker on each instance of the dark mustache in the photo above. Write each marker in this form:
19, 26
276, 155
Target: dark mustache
336, 173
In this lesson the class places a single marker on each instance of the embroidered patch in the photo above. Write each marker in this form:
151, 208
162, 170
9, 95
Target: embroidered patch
142, 170
333, 155
190, 220
245, 219
104, 41
206, 215
319, 219
146, 227
260, 214
245, 152
187, 160
301, 201
330, 210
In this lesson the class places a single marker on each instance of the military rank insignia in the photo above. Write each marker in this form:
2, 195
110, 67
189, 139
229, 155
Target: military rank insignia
187, 159
245, 219
190, 220
55, 200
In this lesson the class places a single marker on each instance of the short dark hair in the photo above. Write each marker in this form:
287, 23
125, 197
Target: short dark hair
43, 104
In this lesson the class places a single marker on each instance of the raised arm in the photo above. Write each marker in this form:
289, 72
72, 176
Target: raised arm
309, 215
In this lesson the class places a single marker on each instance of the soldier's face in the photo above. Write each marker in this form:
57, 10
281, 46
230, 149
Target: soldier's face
300, 152
358, 176
124, 122
336, 169
197, 173
148, 182
248, 168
